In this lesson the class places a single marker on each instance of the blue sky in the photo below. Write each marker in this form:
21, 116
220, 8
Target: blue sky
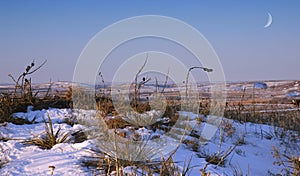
59, 30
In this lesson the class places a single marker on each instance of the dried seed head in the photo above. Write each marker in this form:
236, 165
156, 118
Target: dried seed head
28, 68
52, 167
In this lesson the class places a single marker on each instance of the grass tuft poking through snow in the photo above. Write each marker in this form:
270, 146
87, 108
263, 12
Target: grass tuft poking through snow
50, 139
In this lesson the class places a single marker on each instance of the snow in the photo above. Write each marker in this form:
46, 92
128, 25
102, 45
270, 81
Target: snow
295, 93
254, 156
260, 85
57, 116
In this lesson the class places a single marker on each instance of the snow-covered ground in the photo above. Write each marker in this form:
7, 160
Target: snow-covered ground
253, 155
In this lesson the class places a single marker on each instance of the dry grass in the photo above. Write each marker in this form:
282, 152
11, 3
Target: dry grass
106, 164
243, 109
24, 95
291, 164
50, 138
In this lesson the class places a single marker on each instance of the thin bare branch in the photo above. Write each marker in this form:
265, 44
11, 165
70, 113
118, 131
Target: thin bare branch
135, 81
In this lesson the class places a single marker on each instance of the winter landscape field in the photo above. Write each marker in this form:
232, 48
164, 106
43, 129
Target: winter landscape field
258, 134
149, 88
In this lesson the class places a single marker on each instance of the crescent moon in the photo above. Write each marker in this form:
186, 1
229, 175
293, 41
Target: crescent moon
270, 20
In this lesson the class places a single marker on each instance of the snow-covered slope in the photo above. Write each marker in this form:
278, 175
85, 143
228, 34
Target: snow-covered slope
253, 155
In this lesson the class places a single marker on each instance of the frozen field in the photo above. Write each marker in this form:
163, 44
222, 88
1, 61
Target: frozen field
253, 156
245, 148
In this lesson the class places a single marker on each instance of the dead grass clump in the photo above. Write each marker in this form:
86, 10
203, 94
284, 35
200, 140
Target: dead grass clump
269, 115
106, 164
105, 105
116, 122
23, 95
291, 164
50, 138
228, 128
219, 158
